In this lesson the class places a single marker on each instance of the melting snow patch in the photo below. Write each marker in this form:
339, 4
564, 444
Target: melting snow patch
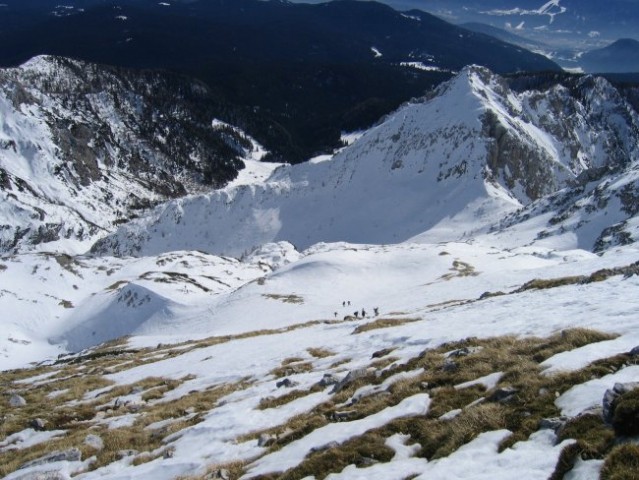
590, 394
489, 381
368, 390
28, 438
579, 358
481, 460
402, 451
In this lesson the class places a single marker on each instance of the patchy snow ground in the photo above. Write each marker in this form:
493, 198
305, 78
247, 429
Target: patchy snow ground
424, 282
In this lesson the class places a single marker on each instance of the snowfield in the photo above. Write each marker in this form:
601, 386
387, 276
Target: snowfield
422, 304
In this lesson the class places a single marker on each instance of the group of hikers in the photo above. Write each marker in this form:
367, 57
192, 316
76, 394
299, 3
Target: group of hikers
357, 313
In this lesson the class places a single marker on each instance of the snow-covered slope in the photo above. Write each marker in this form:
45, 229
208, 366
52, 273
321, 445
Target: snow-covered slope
52, 303
217, 403
429, 349
85, 147
452, 164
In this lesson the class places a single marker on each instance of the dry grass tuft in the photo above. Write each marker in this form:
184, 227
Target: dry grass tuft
383, 323
460, 269
622, 463
275, 402
320, 352
294, 299
292, 366
232, 471
361, 451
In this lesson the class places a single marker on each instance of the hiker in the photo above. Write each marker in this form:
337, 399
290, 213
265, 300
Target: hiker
376, 310
344, 303
335, 313
356, 314
363, 313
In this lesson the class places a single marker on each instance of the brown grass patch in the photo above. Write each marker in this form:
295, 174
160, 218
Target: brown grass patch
383, 323
622, 463
292, 366
320, 352
291, 298
360, 451
274, 402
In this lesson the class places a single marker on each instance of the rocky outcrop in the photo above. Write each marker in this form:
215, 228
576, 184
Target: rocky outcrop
482, 151
84, 147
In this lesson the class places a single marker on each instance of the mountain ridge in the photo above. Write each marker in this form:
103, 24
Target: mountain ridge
311, 70
83, 147
473, 149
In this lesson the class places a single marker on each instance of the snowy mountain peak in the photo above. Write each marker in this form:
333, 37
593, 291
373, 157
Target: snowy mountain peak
451, 164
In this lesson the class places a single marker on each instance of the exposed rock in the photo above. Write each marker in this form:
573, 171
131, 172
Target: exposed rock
328, 379
127, 453
219, 474
71, 455
449, 365
552, 423
351, 377
463, 352
104, 167
94, 441
38, 424
286, 383
327, 446
503, 395
17, 401
265, 440
382, 353
344, 416
168, 453
634, 352
611, 396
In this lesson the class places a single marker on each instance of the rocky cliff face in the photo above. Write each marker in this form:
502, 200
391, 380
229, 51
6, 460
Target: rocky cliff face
85, 147
451, 164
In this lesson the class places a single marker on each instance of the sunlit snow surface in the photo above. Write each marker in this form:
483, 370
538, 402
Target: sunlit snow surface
434, 276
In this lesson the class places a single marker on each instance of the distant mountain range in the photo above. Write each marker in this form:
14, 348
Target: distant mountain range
311, 71
580, 24
621, 56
